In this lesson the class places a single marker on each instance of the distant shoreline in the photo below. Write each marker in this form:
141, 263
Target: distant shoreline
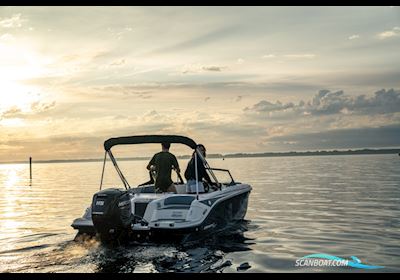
237, 155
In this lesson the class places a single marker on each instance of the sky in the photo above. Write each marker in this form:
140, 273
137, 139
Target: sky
236, 79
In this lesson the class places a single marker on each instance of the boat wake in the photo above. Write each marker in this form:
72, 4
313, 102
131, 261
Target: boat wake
208, 254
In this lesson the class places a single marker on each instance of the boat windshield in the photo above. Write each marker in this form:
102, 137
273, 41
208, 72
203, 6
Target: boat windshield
224, 176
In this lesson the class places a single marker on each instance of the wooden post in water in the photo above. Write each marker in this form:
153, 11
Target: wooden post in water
30, 168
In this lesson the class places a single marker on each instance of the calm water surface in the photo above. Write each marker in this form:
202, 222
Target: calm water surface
339, 205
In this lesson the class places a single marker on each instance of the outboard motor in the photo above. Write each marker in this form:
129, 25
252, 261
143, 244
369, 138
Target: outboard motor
111, 213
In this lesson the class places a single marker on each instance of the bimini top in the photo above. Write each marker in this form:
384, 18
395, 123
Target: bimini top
143, 139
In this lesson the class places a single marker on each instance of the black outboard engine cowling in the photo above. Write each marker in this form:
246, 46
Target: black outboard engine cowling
111, 212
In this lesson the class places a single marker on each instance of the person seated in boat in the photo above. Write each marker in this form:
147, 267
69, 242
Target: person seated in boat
190, 172
163, 163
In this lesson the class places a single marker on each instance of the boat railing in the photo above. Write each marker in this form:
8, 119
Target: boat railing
223, 170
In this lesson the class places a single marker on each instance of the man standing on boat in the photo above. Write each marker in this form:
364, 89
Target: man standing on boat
163, 163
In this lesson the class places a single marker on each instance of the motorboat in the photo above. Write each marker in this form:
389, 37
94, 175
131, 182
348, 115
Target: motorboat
143, 213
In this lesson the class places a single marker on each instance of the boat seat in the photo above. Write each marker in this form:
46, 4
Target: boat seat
181, 200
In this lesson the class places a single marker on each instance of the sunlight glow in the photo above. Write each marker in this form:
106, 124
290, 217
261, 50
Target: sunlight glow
17, 95
14, 122
19, 63
12, 178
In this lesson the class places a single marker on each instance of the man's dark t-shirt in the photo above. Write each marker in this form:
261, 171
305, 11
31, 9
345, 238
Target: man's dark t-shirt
163, 161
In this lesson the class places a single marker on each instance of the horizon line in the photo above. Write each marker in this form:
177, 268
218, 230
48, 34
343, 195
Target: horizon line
333, 152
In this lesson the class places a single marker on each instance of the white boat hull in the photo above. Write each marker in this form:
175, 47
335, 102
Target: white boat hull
157, 215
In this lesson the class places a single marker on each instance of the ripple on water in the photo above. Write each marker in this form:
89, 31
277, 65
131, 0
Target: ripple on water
343, 205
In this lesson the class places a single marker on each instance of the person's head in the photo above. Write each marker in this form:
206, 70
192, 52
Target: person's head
202, 149
165, 146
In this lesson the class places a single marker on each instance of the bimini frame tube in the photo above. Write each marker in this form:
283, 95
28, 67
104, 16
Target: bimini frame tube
197, 175
206, 165
102, 173
196, 154
123, 179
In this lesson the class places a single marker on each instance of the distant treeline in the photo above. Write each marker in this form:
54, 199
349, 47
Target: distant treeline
242, 155
317, 153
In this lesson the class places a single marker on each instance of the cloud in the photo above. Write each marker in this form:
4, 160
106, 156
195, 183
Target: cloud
13, 22
295, 56
116, 91
212, 68
268, 56
266, 106
198, 41
230, 86
6, 37
290, 56
227, 128
395, 31
240, 61
88, 144
238, 98
383, 136
118, 62
62, 147
119, 32
151, 117
36, 108
355, 36
326, 102
197, 68
13, 112
382, 78
120, 117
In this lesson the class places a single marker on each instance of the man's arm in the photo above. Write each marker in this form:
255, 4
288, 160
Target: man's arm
151, 163
176, 164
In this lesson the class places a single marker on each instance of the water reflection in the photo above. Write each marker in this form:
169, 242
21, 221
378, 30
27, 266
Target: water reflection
11, 199
340, 205
206, 254
198, 254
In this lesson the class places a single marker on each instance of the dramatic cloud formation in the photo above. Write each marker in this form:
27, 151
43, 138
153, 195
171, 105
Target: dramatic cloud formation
73, 76
327, 102
331, 119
